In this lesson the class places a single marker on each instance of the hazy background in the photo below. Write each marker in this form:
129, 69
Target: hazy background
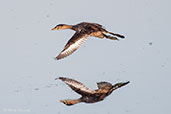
28, 47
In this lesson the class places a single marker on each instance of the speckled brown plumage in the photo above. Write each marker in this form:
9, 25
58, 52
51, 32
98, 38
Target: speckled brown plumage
83, 31
88, 95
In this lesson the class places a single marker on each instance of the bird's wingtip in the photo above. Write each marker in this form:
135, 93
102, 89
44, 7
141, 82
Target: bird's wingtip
56, 58
60, 78
59, 57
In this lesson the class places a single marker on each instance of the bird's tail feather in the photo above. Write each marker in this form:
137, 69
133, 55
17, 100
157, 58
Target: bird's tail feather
118, 35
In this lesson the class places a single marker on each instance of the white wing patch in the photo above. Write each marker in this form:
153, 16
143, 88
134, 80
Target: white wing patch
77, 85
73, 47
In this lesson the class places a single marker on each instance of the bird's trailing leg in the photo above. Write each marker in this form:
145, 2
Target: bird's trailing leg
70, 102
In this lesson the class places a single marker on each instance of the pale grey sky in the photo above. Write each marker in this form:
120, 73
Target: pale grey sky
28, 47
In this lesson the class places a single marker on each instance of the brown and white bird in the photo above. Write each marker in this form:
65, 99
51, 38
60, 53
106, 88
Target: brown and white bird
88, 95
83, 31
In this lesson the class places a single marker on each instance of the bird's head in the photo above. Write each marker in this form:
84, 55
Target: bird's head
62, 26
104, 85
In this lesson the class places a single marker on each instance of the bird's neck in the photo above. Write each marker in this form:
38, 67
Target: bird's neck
70, 27
67, 27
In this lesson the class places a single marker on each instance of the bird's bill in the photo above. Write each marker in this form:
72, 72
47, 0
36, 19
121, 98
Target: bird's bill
55, 28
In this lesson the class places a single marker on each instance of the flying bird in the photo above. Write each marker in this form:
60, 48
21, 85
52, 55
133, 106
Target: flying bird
83, 31
88, 95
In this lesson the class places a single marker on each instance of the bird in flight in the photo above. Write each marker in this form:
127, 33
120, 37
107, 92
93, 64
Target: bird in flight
83, 31
88, 95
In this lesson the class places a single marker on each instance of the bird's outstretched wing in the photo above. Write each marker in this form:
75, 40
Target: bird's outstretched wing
73, 44
77, 86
